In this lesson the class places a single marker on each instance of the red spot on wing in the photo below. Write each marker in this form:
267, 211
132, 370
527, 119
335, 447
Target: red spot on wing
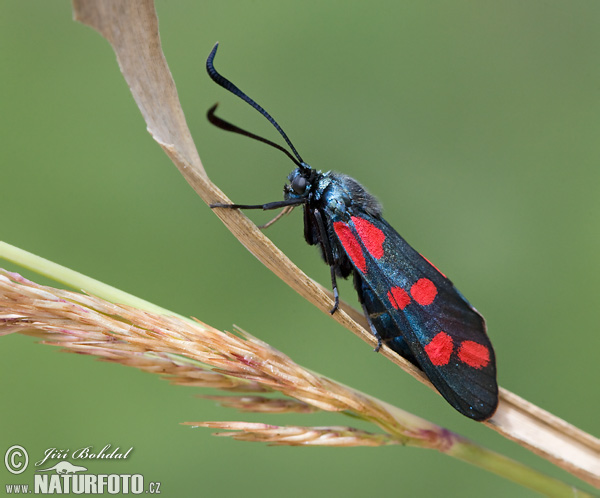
423, 291
438, 270
398, 298
474, 354
371, 236
351, 245
440, 349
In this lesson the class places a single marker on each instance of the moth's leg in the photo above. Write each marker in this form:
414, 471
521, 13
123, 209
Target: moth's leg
359, 289
264, 207
284, 211
324, 241
373, 330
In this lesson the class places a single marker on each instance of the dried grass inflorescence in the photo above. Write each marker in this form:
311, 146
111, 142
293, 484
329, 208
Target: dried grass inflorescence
193, 353
298, 435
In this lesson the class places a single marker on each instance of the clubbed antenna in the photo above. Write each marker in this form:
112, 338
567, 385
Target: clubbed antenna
228, 85
227, 126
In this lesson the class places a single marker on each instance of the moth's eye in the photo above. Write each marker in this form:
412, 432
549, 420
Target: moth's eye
299, 184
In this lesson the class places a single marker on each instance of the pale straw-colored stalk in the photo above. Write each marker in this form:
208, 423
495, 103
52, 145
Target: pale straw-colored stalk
190, 352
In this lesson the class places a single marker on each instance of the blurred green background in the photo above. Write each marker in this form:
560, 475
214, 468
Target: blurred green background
476, 123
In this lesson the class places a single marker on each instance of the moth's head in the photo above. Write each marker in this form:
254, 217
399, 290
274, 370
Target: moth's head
301, 182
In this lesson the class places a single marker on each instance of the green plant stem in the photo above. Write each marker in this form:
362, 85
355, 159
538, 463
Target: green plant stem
460, 448
514, 471
77, 280
467, 451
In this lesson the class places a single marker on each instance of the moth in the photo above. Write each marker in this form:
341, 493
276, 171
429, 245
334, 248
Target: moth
410, 305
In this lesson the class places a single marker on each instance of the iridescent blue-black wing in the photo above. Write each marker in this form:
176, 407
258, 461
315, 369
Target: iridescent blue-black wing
419, 313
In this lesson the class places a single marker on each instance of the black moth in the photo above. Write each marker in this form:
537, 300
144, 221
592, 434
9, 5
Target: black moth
411, 306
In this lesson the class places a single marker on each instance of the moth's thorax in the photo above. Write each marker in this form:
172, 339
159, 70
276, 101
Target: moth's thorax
340, 193
334, 192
